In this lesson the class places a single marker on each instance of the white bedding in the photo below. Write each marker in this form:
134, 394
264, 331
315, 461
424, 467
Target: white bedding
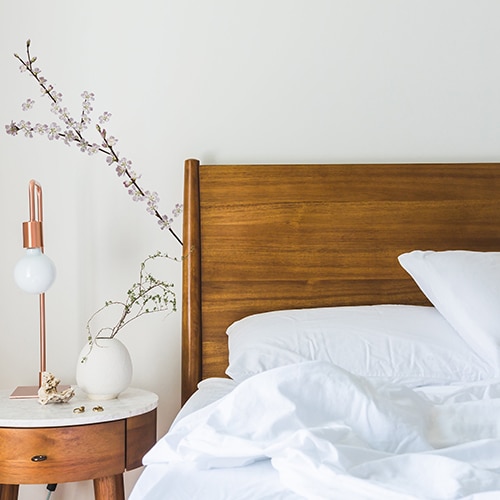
313, 430
411, 345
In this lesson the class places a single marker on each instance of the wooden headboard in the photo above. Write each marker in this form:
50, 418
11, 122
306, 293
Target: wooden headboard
268, 237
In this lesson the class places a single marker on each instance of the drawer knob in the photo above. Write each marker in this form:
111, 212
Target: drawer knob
39, 458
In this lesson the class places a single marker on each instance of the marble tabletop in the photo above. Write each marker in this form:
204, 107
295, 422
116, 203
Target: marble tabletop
30, 413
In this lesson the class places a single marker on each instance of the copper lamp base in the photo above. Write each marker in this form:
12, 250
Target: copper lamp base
31, 391
25, 392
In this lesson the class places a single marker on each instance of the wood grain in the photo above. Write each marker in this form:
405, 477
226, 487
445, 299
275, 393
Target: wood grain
141, 436
191, 289
9, 491
268, 237
73, 453
109, 487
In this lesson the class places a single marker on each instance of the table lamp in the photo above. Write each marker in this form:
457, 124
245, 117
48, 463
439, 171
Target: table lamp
34, 273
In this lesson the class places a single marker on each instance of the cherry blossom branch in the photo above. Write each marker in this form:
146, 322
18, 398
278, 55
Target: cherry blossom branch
73, 133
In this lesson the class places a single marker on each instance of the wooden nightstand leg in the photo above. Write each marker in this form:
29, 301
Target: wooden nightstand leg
109, 488
9, 491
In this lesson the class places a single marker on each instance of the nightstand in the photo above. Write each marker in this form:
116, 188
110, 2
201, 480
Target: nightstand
53, 444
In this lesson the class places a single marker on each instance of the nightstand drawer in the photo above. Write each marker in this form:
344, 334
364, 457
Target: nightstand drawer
61, 454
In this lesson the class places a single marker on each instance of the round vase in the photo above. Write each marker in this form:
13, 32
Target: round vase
105, 370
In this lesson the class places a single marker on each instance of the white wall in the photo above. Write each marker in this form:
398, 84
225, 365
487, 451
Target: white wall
223, 81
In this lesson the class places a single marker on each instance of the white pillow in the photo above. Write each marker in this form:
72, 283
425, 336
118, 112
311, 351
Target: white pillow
413, 345
465, 287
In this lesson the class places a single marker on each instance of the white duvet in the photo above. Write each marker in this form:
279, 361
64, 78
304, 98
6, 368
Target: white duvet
331, 435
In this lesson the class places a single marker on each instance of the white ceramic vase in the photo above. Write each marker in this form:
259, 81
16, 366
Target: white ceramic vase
106, 371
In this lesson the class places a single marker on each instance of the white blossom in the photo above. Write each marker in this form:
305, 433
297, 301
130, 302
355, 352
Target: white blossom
12, 128
69, 137
112, 141
40, 128
26, 128
88, 96
165, 222
28, 104
177, 210
53, 131
110, 159
87, 107
93, 149
105, 117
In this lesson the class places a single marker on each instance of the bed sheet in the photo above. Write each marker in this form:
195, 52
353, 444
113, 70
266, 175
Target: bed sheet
185, 481
209, 391
316, 431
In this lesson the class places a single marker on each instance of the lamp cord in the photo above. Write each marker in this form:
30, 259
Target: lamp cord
51, 488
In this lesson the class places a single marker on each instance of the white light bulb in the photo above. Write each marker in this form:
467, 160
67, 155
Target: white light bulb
35, 272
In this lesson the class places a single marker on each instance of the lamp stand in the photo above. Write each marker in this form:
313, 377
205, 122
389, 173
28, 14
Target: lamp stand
31, 391
33, 239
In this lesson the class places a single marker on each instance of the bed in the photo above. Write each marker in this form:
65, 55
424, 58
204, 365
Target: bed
340, 334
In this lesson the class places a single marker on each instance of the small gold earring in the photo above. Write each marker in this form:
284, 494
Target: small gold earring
98, 408
80, 409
